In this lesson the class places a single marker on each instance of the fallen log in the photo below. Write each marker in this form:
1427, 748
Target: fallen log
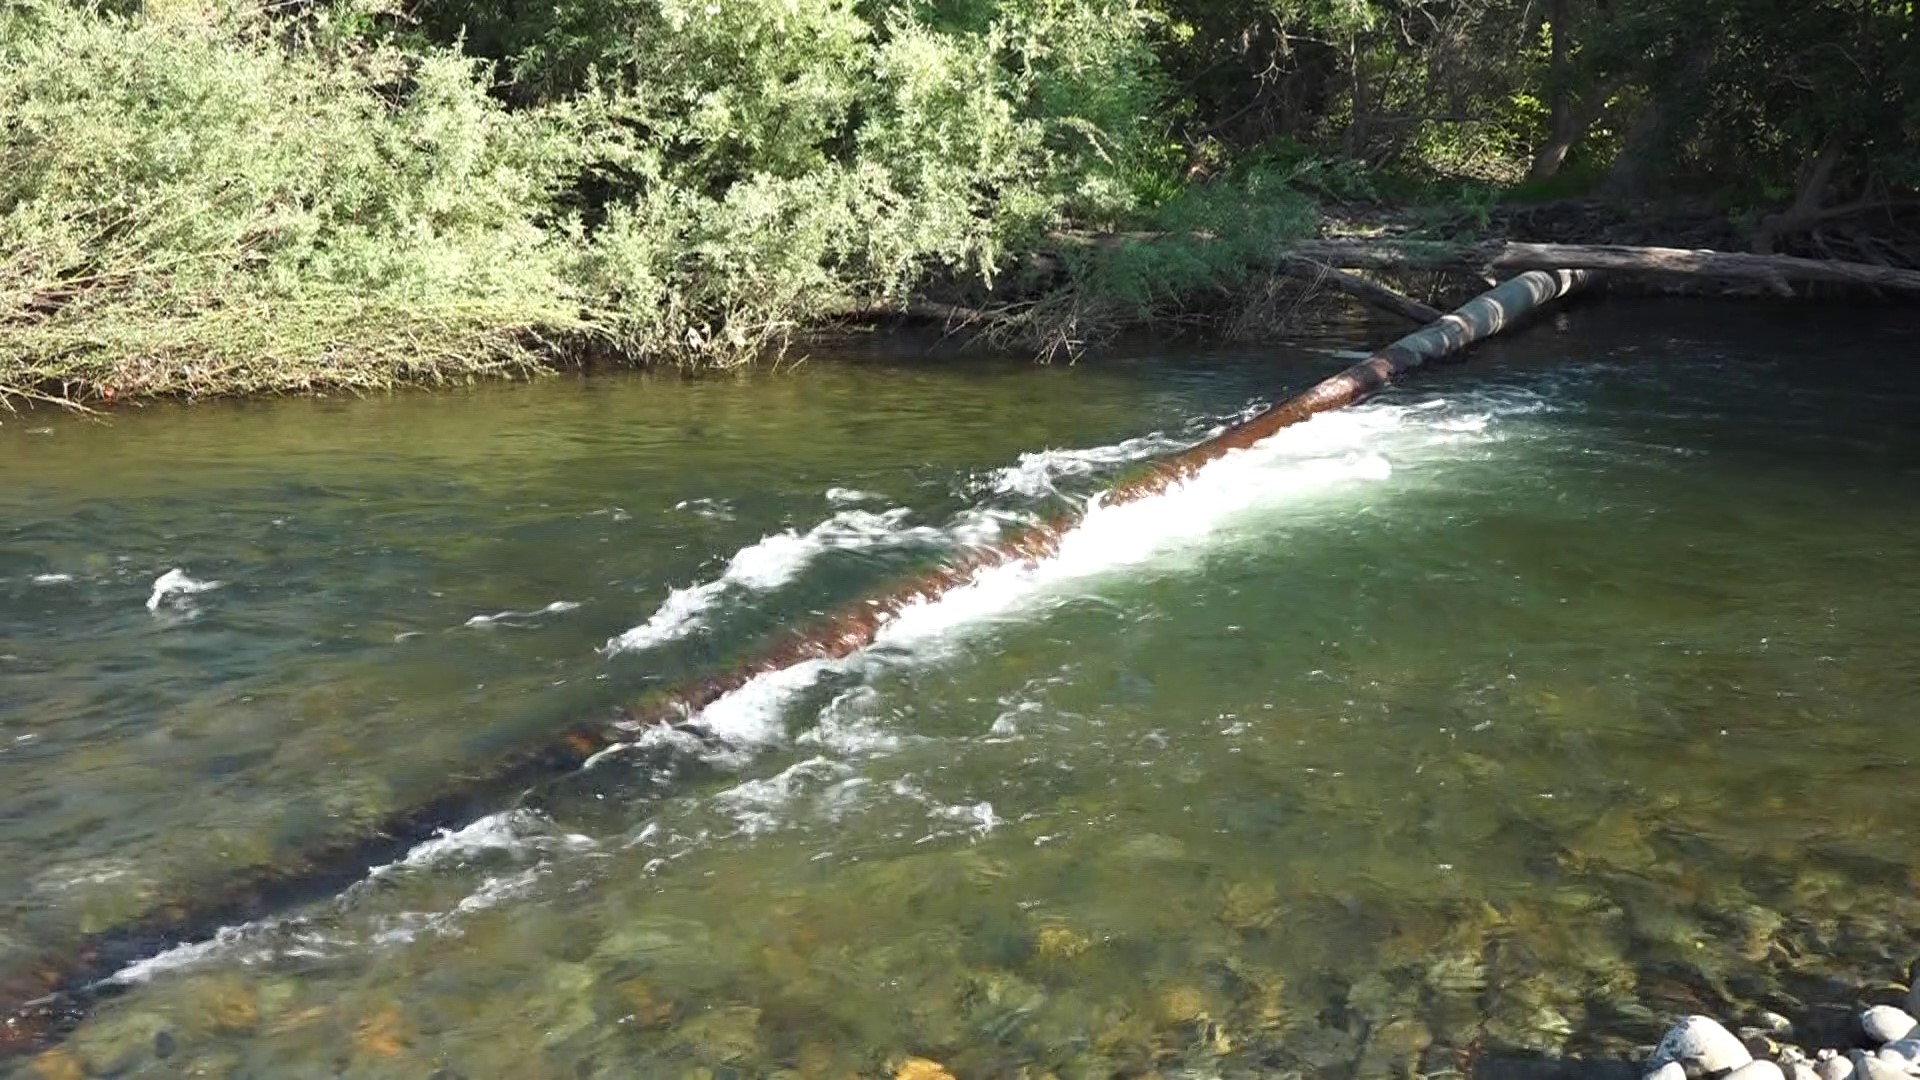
56, 991
1506, 256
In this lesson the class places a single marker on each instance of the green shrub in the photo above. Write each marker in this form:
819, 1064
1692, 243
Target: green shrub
187, 203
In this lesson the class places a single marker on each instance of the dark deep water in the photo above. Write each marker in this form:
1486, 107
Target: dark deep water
1533, 703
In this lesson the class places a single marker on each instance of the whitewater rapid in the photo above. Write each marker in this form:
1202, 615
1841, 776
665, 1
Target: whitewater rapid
1349, 456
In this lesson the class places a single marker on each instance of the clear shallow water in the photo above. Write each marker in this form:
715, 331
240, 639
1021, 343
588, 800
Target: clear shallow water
1510, 713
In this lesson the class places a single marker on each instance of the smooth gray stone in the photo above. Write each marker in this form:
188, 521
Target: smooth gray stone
1870, 1067
1757, 1070
1884, 1024
1701, 1046
1905, 1052
1800, 1070
1833, 1066
1774, 1024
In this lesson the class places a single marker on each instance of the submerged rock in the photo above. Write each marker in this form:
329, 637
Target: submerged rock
921, 1069
1394, 1049
58, 1064
1885, 1024
1701, 1047
725, 1034
221, 1005
115, 1042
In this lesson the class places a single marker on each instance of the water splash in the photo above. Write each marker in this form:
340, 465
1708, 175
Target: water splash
520, 618
174, 587
1037, 475
1336, 456
768, 564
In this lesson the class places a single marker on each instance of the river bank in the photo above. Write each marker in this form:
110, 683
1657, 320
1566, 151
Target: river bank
220, 197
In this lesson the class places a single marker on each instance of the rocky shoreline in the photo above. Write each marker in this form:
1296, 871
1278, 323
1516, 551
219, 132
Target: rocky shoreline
1881, 1043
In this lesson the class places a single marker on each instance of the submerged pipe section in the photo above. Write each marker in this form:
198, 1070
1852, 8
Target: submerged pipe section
54, 993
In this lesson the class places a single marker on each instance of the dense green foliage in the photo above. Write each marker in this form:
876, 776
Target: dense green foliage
205, 195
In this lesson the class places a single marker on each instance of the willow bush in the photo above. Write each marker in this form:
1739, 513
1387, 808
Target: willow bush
220, 197
195, 201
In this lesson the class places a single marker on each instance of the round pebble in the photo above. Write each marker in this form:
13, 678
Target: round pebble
1870, 1067
1774, 1024
1702, 1047
1885, 1024
1757, 1070
1907, 1049
1833, 1066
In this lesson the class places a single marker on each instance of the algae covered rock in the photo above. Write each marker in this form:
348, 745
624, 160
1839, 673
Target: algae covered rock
917, 1068
117, 1041
727, 1034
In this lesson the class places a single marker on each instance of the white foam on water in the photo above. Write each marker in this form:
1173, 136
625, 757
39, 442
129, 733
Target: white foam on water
184, 956
714, 509
1330, 453
518, 832
1036, 475
59, 579
767, 564
977, 817
758, 806
519, 618
247, 943
1334, 455
981, 526
840, 496
173, 587
1006, 725
495, 890
849, 727
753, 716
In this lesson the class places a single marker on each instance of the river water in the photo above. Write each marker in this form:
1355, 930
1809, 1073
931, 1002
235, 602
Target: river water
1512, 713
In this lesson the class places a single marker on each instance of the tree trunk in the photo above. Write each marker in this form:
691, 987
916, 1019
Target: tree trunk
1560, 133
1808, 195
51, 996
1358, 125
1631, 171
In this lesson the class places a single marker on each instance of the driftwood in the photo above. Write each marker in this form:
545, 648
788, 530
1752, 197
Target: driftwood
954, 317
1368, 292
1773, 270
56, 991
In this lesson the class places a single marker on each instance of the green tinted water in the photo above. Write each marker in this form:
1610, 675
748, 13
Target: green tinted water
1511, 713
